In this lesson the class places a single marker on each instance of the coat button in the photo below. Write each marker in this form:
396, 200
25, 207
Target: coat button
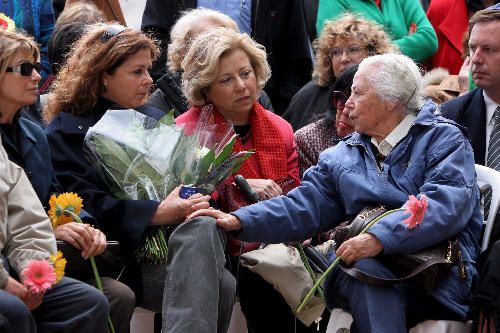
29, 174
80, 126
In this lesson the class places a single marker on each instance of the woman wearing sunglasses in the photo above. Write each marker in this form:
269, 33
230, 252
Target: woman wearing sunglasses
326, 132
26, 145
341, 43
108, 68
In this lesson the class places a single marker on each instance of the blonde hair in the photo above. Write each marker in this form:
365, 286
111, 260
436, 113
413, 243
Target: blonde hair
347, 27
201, 63
12, 43
83, 12
182, 32
79, 82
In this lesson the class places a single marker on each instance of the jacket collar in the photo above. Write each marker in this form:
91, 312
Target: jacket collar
80, 123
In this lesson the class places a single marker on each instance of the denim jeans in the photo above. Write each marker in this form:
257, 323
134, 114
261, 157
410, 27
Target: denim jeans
193, 290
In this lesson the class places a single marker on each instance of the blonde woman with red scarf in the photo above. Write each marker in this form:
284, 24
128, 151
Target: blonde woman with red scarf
224, 72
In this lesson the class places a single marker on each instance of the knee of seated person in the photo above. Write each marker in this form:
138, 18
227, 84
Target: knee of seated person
117, 291
374, 267
200, 222
95, 301
14, 309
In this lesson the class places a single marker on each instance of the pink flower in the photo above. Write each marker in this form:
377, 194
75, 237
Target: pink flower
39, 276
416, 208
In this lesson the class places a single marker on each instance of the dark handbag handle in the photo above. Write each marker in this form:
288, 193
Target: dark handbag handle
380, 281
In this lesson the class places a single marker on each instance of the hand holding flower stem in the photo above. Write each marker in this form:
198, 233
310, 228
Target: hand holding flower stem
415, 207
64, 209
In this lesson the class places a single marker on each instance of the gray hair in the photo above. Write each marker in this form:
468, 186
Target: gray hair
182, 32
396, 79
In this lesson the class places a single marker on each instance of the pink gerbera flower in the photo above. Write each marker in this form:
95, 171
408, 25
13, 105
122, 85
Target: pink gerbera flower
416, 208
38, 276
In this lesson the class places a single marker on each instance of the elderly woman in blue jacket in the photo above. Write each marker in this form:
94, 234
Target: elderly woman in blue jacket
422, 154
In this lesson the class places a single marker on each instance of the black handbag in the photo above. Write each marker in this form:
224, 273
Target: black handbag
422, 269
109, 263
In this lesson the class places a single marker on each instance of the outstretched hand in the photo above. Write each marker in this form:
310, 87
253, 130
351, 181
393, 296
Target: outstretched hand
225, 221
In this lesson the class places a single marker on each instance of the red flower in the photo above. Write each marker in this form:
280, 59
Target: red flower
39, 276
416, 208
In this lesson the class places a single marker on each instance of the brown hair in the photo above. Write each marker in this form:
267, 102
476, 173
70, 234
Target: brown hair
485, 15
79, 83
346, 28
12, 43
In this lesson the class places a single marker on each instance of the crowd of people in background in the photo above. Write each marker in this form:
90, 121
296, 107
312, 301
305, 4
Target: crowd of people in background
345, 104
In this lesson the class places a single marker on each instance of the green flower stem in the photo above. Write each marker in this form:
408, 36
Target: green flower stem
330, 268
308, 267
94, 268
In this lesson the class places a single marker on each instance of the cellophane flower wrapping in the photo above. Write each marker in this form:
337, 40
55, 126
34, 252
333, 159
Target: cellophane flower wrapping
142, 158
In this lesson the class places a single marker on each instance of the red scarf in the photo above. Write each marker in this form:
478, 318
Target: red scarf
270, 151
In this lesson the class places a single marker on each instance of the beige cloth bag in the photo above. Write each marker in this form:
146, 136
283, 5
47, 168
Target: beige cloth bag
281, 266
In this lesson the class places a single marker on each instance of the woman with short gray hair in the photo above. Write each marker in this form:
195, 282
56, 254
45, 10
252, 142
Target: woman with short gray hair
392, 155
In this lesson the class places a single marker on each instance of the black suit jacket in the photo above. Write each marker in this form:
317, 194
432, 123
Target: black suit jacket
469, 111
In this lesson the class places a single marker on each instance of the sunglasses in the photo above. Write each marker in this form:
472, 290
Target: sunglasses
25, 69
112, 31
338, 99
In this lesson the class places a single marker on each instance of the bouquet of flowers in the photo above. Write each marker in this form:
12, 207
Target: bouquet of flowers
142, 158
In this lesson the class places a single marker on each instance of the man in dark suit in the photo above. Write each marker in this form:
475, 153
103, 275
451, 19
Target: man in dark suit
476, 109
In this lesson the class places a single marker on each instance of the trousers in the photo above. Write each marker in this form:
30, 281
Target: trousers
198, 292
69, 306
381, 308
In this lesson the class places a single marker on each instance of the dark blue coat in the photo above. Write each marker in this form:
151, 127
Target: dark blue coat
33, 155
120, 219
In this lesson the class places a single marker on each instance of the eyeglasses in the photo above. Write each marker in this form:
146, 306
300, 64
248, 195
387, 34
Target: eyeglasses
338, 99
112, 31
353, 50
25, 69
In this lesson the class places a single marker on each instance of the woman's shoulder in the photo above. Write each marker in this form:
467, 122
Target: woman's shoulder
69, 123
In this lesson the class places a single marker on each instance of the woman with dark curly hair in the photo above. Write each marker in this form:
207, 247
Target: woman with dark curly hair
108, 68
341, 43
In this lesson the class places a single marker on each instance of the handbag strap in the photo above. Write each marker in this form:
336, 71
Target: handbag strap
380, 281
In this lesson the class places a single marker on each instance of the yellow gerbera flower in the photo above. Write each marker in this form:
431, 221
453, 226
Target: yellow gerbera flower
7, 23
65, 201
59, 264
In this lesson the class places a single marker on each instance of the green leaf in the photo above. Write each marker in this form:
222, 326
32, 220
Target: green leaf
225, 152
167, 120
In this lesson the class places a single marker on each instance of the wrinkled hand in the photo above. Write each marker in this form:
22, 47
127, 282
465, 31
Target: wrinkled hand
359, 247
265, 188
463, 76
77, 234
174, 210
84, 237
225, 221
29, 298
98, 244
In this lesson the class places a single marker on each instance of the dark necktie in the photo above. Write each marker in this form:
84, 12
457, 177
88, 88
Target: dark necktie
493, 160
